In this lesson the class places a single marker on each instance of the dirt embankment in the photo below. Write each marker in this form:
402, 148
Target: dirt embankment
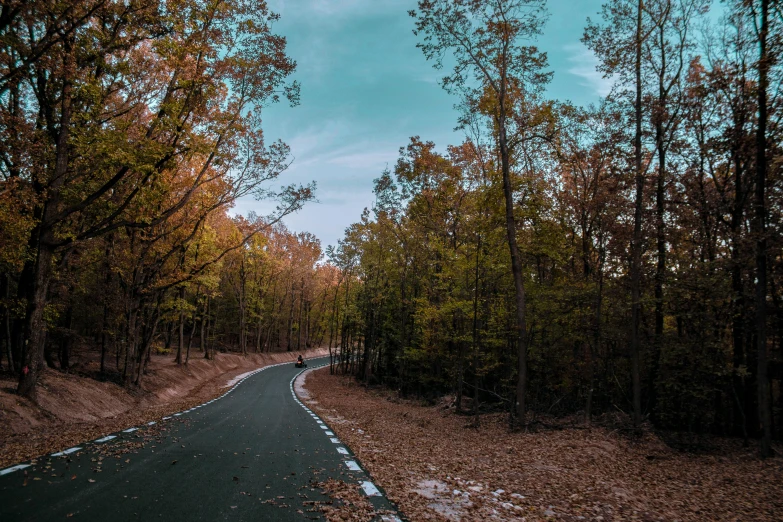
436, 466
72, 408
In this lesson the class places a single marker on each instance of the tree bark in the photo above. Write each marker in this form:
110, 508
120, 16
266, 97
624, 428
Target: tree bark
516, 267
41, 242
181, 327
636, 243
760, 225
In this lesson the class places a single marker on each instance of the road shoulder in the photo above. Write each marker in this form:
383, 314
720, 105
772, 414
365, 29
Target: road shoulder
436, 466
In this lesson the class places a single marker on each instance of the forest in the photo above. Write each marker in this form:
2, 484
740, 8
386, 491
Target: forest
560, 260
624, 256
129, 130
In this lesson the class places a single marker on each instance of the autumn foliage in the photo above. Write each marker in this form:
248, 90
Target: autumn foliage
647, 226
128, 131
623, 257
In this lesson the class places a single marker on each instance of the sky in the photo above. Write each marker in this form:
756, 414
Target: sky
366, 89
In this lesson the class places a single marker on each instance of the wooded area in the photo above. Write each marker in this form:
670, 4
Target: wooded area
624, 256
562, 259
129, 129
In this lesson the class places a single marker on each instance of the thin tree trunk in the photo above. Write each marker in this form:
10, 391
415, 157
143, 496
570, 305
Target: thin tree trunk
181, 327
6, 321
202, 340
190, 339
760, 225
516, 270
299, 318
636, 244
65, 345
660, 232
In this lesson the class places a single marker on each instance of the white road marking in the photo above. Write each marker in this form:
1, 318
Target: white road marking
66, 452
106, 438
166, 418
370, 490
130, 430
6, 471
151, 423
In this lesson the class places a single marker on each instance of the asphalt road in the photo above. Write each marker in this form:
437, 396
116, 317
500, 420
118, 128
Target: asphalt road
253, 454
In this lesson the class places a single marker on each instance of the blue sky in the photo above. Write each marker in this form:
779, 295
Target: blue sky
366, 89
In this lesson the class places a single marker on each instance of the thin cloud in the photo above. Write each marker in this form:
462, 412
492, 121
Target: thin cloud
339, 144
584, 64
332, 9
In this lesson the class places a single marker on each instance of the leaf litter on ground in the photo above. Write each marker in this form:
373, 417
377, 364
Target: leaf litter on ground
435, 465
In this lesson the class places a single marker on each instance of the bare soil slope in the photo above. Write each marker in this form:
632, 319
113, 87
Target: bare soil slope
435, 466
73, 408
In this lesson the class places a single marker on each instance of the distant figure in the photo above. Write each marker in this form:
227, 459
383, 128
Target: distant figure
300, 362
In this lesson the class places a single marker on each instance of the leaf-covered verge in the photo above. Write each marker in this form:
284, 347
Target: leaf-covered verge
348, 502
74, 408
436, 466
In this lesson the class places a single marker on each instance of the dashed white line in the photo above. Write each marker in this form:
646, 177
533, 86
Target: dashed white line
6, 471
368, 487
66, 452
370, 490
151, 423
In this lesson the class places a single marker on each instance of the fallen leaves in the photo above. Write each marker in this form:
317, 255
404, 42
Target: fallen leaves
349, 503
434, 467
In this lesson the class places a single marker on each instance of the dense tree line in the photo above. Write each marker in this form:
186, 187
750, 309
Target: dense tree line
623, 256
128, 129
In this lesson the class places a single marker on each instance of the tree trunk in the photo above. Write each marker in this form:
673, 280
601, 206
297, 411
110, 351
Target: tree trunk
636, 244
190, 339
147, 343
181, 327
516, 269
65, 344
760, 225
6, 321
202, 344
41, 243
299, 318
660, 232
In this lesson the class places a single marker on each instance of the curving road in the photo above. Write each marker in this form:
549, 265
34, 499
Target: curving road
253, 454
